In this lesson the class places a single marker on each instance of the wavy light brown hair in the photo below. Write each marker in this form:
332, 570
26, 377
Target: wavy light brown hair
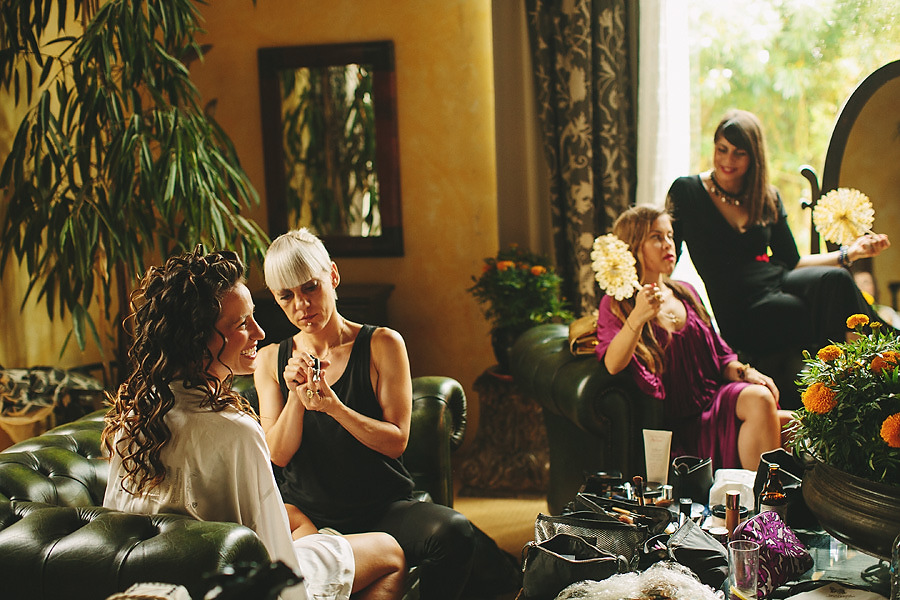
174, 312
633, 228
743, 130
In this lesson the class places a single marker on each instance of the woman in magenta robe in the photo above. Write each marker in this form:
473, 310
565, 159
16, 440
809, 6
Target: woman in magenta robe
715, 406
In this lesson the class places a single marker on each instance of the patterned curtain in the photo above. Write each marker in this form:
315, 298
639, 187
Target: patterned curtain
583, 73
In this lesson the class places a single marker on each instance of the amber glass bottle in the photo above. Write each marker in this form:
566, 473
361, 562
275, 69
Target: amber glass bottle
772, 497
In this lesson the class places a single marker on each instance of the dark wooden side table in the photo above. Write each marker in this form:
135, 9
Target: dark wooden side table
509, 455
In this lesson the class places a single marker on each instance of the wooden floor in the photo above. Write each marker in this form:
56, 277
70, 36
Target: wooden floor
509, 521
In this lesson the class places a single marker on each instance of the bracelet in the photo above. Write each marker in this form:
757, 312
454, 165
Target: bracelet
844, 257
742, 371
629, 325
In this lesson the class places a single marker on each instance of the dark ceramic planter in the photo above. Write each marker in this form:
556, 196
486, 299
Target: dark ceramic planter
863, 514
502, 340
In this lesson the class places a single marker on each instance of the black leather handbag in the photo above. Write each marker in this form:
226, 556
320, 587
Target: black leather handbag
554, 564
691, 477
699, 552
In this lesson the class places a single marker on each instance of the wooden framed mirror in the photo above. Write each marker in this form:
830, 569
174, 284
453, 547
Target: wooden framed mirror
330, 147
863, 154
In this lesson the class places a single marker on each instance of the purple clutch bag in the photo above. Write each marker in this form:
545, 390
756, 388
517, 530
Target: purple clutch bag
782, 556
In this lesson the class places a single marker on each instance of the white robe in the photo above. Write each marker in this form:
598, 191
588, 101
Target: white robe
218, 469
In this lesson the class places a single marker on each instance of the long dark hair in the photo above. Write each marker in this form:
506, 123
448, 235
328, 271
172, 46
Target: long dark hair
174, 310
633, 228
743, 130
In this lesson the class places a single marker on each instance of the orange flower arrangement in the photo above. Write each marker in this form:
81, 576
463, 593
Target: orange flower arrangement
850, 417
518, 289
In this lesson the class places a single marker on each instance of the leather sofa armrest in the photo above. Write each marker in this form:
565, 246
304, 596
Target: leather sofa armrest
84, 553
574, 386
437, 427
593, 419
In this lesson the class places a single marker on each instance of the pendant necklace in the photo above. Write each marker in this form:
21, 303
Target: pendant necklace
719, 192
671, 316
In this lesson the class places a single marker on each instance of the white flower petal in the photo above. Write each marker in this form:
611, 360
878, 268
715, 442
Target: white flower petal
842, 215
613, 266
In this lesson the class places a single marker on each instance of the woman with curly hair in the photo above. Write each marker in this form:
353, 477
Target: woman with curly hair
180, 440
715, 406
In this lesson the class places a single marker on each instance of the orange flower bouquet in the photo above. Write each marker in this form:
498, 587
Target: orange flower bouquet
519, 289
850, 417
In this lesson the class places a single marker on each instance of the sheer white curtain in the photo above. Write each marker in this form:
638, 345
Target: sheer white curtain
664, 141
664, 114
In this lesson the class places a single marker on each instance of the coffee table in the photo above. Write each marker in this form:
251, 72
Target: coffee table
835, 561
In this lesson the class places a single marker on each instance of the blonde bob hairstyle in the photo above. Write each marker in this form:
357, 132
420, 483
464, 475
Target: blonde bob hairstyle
294, 258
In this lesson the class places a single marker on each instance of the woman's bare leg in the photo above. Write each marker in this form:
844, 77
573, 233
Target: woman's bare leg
380, 566
300, 523
760, 424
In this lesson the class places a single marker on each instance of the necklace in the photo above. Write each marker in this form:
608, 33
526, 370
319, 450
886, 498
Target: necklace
719, 192
671, 316
327, 352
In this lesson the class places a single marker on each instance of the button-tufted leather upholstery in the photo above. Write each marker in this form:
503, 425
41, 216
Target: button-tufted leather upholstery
56, 540
593, 419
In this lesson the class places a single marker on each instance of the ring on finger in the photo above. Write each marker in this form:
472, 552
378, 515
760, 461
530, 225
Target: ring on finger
310, 394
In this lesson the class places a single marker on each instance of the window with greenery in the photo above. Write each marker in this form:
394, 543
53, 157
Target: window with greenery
793, 63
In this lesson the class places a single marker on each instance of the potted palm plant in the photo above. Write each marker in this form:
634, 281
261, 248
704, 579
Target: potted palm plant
115, 161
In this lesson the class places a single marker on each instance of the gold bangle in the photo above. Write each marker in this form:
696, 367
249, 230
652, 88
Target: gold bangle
629, 325
742, 371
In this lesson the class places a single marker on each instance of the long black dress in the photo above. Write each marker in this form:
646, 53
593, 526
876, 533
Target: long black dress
762, 304
340, 483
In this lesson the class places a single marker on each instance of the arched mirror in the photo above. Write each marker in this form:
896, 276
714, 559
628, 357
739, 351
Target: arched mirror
329, 124
864, 153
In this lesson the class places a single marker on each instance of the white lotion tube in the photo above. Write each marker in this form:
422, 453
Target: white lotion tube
657, 445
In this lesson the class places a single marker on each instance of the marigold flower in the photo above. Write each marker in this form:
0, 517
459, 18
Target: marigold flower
819, 398
885, 362
538, 270
854, 321
890, 430
503, 265
829, 353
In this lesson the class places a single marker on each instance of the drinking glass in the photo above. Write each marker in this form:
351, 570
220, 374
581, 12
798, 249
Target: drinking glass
743, 567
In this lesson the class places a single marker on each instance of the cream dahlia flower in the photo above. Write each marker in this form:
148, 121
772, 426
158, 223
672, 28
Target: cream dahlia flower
842, 215
614, 267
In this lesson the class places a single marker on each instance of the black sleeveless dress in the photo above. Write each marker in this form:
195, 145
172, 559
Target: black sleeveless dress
333, 478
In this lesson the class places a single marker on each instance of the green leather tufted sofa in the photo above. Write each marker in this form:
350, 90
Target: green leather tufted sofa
57, 541
594, 420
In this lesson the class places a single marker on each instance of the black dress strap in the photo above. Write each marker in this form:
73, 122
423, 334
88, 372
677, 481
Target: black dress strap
285, 348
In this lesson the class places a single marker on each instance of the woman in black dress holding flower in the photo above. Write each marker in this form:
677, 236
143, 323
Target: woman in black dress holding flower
765, 296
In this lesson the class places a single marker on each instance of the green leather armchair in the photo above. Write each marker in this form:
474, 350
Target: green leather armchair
593, 419
57, 541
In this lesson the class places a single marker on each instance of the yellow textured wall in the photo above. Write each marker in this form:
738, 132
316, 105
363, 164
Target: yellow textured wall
446, 138
870, 164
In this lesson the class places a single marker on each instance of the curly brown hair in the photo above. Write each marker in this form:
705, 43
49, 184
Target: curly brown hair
633, 228
174, 310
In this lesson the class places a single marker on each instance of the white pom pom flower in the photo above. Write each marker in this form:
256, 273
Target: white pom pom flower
842, 215
614, 268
